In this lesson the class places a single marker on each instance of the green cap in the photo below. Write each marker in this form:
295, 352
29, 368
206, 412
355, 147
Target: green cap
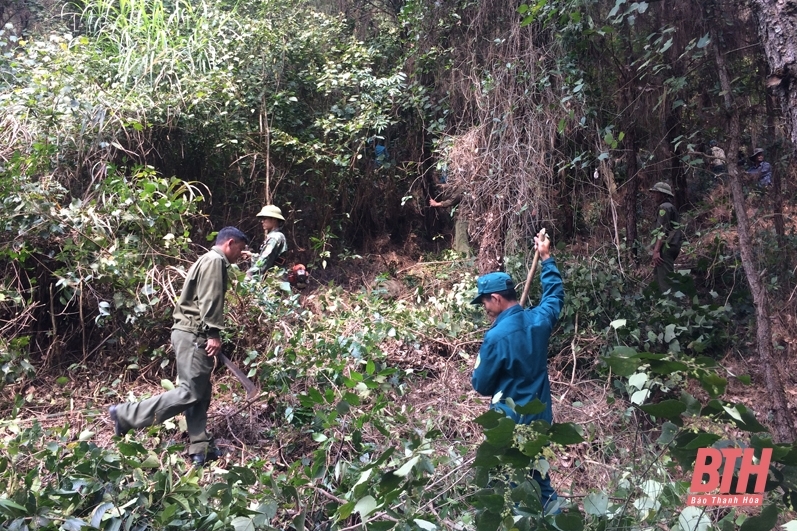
492, 283
663, 188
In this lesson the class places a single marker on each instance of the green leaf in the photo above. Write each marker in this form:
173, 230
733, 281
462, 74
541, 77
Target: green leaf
669, 333
692, 405
73, 524
488, 521
703, 440
406, 468
763, 522
534, 407
666, 409
515, 458
623, 352
668, 433
345, 510
623, 366
565, 433
570, 521
618, 323
243, 523
490, 419
694, 519
423, 524
596, 503
704, 40
745, 379
151, 462
502, 435
712, 383
167, 384
791, 525
365, 506
11, 508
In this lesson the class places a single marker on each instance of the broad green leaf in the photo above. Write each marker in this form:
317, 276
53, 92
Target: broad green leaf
488, 521
623, 352
11, 508
669, 333
423, 524
623, 366
73, 524
640, 396
668, 433
534, 407
151, 462
618, 323
638, 380
243, 523
167, 384
365, 506
503, 434
570, 521
565, 433
763, 522
791, 525
406, 467
694, 519
489, 419
666, 409
596, 503
345, 510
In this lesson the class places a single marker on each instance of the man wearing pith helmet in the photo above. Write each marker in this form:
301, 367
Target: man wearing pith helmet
274, 246
667, 235
513, 359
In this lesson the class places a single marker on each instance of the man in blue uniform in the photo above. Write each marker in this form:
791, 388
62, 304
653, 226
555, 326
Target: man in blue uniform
513, 359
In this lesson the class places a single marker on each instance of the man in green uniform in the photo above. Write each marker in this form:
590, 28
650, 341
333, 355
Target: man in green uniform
274, 246
513, 359
667, 236
198, 321
451, 198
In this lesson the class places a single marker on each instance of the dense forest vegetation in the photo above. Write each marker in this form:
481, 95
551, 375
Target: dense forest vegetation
132, 130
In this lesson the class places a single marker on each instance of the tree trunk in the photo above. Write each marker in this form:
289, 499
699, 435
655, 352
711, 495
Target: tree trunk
777, 26
777, 188
631, 188
677, 174
491, 244
783, 424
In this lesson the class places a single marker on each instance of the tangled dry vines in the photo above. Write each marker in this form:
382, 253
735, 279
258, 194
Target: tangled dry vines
501, 153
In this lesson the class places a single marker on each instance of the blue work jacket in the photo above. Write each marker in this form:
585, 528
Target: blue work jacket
513, 358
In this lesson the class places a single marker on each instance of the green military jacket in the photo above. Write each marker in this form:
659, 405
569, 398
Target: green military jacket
668, 227
275, 246
200, 309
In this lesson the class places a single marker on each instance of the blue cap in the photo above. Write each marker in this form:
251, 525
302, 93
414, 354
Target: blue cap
492, 283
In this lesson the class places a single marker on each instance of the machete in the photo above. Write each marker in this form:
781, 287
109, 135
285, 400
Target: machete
252, 391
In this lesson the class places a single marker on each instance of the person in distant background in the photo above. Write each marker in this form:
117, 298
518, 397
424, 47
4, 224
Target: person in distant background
274, 247
451, 198
717, 163
667, 235
760, 169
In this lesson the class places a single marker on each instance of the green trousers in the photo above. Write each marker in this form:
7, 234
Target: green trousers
191, 396
663, 271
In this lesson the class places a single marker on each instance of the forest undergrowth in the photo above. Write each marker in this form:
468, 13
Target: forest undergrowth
367, 417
